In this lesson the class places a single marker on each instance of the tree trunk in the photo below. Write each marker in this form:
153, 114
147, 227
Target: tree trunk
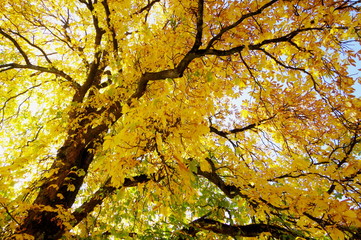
58, 192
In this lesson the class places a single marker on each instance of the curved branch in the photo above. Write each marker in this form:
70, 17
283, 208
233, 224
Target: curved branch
285, 38
354, 231
250, 230
2, 109
239, 21
238, 130
16, 44
34, 45
279, 62
8, 66
194, 53
169, 73
106, 190
231, 191
147, 7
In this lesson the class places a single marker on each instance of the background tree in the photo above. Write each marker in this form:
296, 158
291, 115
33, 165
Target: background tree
180, 119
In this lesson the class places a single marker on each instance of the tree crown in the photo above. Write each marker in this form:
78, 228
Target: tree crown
180, 119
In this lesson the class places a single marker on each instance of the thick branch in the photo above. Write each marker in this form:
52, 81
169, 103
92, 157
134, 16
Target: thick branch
354, 231
106, 190
170, 73
251, 230
198, 40
285, 38
230, 190
237, 130
225, 134
111, 28
94, 68
194, 53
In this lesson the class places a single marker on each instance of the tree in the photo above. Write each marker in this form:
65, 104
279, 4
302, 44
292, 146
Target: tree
180, 119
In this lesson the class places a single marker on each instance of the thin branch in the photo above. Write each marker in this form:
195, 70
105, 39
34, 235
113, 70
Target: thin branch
350, 147
147, 7
314, 82
19, 94
286, 66
16, 44
33, 45
250, 70
8, 66
68, 42
2, 109
8, 212
348, 4
239, 21
35, 137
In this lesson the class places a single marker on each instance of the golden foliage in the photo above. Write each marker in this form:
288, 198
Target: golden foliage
168, 118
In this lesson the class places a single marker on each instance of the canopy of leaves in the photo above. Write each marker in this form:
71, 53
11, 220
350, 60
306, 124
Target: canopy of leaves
180, 119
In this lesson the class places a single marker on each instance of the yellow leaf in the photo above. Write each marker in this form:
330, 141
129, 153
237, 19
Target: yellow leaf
159, 140
54, 186
23, 236
350, 214
205, 166
60, 196
71, 188
337, 234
